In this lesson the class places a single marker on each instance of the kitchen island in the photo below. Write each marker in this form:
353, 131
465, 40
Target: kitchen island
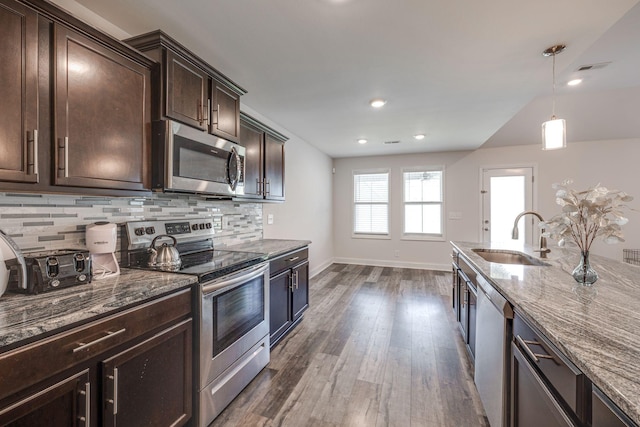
596, 329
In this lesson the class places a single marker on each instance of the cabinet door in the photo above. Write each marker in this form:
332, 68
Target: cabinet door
471, 329
186, 92
18, 92
150, 383
102, 116
300, 289
454, 291
279, 305
225, 112
605, 413
463, 299
532, 404
273, 168
65, 403
251, 139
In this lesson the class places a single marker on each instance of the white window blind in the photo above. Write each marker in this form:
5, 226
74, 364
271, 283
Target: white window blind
371, 203
423, 202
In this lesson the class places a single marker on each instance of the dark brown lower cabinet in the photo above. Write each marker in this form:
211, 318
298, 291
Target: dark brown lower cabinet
533, 404
63, 403
288, 293
472, 307
129, 369
150, 383
604, 413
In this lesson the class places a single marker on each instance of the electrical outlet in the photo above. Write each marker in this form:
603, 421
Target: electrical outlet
455, 215
270, 219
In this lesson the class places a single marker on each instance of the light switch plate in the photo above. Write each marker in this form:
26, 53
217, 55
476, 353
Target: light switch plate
270, 219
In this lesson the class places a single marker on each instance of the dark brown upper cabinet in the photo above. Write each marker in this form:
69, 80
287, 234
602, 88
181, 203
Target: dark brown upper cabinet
102, 127
225, 112
75, 105
18, 92
273, 167
264, 160
187, 87
190, 90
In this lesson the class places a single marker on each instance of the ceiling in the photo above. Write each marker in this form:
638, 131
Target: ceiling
462, 73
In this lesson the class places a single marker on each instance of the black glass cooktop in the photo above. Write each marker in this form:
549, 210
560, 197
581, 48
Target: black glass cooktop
211, 264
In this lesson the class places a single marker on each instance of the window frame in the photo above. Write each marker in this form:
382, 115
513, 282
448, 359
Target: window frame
425, 236
381, 236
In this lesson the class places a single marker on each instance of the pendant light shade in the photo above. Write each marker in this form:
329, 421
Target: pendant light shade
554, 131
554, 134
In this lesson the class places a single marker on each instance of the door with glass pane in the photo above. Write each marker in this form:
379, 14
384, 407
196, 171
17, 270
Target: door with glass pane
506, 192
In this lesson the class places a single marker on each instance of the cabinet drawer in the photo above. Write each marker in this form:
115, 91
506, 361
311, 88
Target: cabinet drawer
32, 363
288, 260
565, 379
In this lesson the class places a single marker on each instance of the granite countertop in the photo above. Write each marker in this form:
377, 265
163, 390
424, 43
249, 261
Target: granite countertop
25, 317
271, 247
598, 329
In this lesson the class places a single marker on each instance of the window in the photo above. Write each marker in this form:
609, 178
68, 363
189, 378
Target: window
423, 202
371, 203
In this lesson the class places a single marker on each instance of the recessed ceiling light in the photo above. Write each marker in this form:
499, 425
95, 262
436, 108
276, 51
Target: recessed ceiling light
574, 82
377, 103
419, 136
362, 141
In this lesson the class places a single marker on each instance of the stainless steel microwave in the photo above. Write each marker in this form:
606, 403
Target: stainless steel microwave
189, 160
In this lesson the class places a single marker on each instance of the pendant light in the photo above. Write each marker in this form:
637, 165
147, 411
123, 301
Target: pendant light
554, 131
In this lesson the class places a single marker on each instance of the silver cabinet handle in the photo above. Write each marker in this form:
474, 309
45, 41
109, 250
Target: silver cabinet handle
297, 278
110, 334
535, 356
32, 153
291, 285
293, 259
114, 401
217, 115
206, 116
63, 157
87, 404
258, 187
267, 184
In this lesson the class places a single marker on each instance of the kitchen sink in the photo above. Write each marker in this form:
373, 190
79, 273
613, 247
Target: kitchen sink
508, 257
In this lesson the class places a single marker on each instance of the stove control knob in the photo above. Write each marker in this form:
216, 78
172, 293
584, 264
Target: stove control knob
208, 225
55, 283
202, 226
139, 231
194, 227
150, 230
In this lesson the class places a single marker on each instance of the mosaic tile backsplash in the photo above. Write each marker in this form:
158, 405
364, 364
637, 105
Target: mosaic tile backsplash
42, 222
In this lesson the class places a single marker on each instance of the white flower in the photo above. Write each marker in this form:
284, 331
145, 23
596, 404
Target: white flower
586, 215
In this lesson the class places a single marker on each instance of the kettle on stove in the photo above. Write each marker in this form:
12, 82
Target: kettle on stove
11, 259
166, 257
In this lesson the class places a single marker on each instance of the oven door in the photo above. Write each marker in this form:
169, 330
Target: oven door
201, 163
234, 317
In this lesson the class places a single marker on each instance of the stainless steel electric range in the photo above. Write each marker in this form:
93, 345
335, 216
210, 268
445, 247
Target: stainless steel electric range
231, 307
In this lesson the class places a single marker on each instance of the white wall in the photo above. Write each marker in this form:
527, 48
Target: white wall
307, 213
614, 164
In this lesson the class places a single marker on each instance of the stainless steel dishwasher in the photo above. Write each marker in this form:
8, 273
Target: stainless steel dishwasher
492, 363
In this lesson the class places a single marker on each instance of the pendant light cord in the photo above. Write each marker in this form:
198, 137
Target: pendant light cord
553, 75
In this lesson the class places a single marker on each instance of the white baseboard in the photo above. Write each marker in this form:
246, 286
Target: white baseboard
400, 264
319, 269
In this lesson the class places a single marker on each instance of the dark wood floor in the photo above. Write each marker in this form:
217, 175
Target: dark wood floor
377, 347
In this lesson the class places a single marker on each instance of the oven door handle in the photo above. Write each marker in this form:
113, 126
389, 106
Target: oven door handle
236, 279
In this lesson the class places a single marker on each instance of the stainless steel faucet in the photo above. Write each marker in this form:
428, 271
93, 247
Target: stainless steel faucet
543, 240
